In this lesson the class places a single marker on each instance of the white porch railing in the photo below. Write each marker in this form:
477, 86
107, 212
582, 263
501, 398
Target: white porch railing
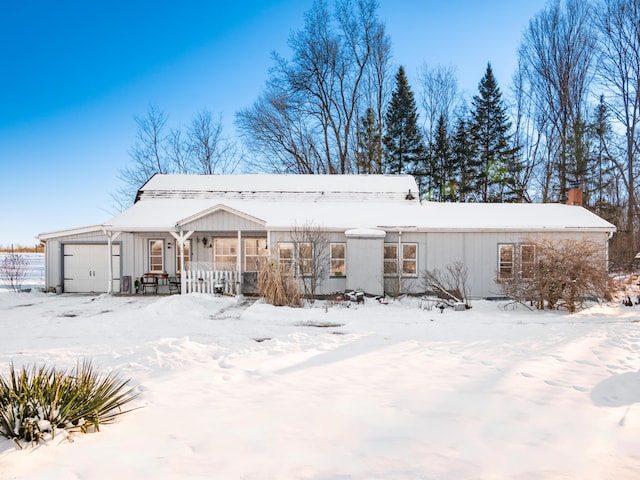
211, 281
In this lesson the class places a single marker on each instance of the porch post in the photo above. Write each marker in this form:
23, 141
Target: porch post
181, 238
239, 264
111, 236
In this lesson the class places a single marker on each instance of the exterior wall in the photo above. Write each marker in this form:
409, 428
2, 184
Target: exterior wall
478, 251
365, 258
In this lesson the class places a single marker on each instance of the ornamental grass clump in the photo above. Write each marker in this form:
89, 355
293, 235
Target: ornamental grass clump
35, 402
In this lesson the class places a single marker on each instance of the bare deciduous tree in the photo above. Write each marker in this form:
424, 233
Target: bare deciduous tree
209, 150
307, 117
157, 150
439, 97
313, 257
619, 70
557, 53
148, 155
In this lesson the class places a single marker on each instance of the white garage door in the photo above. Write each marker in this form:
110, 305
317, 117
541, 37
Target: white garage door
86, 268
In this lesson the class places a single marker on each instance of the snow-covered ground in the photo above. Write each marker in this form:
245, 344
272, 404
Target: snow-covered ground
241, 390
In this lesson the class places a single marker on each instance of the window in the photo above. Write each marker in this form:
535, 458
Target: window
409, 258
156, 255
338, 259
285, 256
225, 253
305, 259
390, 258
527, 260
255, 250
187, 256
505, 261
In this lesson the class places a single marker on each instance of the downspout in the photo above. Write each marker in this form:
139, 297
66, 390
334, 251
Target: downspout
239, 264
399, 260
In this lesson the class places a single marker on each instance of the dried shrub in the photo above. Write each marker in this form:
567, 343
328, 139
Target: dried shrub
13, 270
565, 274
450, 284
277, 285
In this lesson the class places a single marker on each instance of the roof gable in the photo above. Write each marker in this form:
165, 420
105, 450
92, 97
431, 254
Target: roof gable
219, 208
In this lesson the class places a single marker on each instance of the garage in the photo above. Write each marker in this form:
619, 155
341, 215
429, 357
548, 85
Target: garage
86, 269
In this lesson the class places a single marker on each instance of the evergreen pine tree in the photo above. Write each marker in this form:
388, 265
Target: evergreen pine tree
495, 162
444, 170
462, 157
604, 182
369, 151
403, 141
580, 167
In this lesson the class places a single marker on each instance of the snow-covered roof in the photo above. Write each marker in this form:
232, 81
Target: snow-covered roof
281, 187
334, 202
171, 214
73, 231
511, 216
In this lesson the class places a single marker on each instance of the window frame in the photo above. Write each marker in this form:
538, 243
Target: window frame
251, 261
338, 263
409, 261
388, 261
151, 255
288, 262
527, 267
401, 261
503, 264
219, 255
306, 263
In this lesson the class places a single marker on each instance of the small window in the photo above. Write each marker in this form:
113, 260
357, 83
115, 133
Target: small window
305, 259
285, 257
255, 251
390, 258
187, 256
338, 259
156, 255
527, 260
409, 258
225, 253
505, 262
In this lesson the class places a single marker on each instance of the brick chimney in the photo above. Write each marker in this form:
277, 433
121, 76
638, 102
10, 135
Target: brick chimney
574, 196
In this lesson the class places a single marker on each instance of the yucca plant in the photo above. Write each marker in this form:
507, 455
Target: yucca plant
34, 402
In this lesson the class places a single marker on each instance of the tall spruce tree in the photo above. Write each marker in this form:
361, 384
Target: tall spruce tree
462, 155
403, 141
369, 151
495, 163
443, 170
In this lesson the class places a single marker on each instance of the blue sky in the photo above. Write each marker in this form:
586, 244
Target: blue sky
73, 74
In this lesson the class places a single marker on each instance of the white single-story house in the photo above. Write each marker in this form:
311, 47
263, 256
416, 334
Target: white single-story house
207, 233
